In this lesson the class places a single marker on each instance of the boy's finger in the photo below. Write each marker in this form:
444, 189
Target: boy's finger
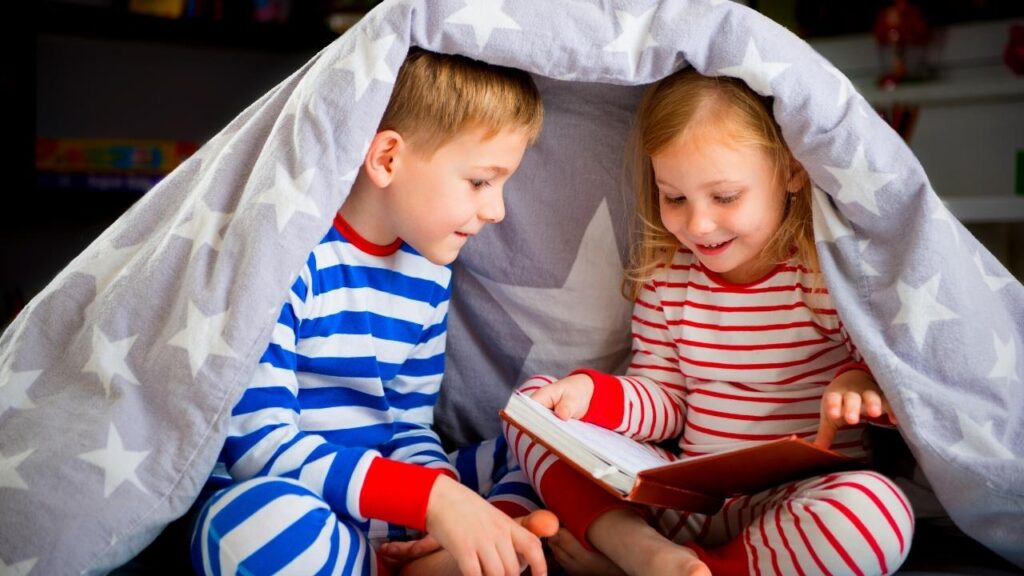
541, 523
530, 549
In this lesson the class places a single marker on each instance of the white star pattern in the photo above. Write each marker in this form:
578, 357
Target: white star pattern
119, 464
110, 359
845, 86
106, 267
368, 61
862, 247
635, 37
289, 195
485, 16
757, 73
942, 214
202, 337
1006, 359
979, 440
14, 387
203, 229
994, 283
9, 477
859, 183
20, 569
592, 284
829, 224
919, 307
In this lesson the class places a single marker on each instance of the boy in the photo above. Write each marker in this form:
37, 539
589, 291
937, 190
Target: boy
331, 445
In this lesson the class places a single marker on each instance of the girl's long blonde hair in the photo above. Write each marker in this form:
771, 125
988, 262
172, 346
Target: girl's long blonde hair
679, 105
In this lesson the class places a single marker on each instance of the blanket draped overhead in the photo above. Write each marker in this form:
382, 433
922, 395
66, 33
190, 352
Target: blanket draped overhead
117, 379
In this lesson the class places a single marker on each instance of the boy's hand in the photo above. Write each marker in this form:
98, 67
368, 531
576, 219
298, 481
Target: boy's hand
482, 539
851, 395
569, 397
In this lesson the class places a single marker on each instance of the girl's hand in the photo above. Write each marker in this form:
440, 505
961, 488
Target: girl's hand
851, 395
569, 397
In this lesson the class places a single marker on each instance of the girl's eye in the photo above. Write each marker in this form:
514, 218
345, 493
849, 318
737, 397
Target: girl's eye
674, 199
728, 199
477, 184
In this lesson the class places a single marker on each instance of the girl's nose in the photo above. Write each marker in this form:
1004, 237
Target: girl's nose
700, 222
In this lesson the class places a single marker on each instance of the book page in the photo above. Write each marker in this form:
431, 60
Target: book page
624, 453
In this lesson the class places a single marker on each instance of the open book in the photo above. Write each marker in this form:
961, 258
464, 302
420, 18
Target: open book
634, 471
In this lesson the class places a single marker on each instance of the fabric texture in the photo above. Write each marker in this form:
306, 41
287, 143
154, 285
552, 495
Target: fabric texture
118, 378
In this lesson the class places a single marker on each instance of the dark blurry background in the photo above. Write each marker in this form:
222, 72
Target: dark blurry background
102, 97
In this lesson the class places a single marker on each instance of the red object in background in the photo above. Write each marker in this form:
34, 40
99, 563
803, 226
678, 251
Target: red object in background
903, 35
1013, 54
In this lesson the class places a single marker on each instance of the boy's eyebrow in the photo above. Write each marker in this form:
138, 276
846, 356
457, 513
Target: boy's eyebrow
496, 170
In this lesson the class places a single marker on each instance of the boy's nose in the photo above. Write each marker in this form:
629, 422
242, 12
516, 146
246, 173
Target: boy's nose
492, 209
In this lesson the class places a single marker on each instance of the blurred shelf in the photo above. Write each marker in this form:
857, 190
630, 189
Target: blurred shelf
970, 210
951, 86
113, 23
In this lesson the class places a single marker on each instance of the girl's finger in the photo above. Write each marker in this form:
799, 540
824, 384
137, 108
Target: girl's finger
872, 403
851, 407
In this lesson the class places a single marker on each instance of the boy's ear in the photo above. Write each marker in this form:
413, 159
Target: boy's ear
379, 163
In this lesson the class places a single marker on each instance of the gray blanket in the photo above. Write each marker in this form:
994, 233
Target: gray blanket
116, 380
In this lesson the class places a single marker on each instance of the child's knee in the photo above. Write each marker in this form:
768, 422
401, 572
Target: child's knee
272, 521
872, 506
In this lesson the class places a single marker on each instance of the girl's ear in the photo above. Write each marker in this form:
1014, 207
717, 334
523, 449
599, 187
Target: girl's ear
379, 163
798, 177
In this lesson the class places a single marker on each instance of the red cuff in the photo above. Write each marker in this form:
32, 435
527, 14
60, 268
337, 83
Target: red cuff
853, 366
397, 492
606, 406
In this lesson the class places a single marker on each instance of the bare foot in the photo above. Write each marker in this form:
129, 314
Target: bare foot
425, 557
632, 544
575, 559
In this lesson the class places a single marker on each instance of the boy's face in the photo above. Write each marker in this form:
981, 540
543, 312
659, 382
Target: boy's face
436, 204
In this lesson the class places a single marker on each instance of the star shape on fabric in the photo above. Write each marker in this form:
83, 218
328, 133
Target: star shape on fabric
368, 61
118, 463
829, 224
862, 247
202, 337
203, 228
757, 73
978, 440
635, 36
1006, 359
994, 283
942, 214
9, 477
859, 183
485, 16
106, 267
289, 195
846, 88
919, 307
14, 387
109, 359
592, 285
19, 569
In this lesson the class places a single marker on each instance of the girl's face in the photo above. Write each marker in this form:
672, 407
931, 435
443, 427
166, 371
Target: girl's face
722, 201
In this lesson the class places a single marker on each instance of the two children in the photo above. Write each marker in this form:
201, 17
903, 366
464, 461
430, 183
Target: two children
735, 340
330, 447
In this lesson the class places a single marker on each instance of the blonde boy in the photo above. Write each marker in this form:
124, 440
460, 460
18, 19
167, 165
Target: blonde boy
331, 446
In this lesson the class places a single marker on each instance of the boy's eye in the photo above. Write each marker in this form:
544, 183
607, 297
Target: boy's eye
477, 184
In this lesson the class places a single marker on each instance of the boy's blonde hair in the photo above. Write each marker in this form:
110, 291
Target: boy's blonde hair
438, 96
686, 103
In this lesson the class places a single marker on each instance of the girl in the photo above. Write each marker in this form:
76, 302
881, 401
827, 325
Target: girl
735, 340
